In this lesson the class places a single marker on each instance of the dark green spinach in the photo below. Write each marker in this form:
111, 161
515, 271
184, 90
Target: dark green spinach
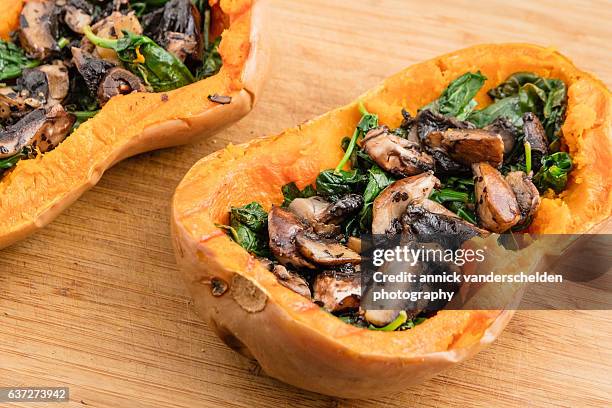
367, 122
291, 192
457, 100
248, 227
378, 180
212, 61
554, 172
13, 61
333, 184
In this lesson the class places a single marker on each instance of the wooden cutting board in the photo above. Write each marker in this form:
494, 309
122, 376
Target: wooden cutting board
94, 302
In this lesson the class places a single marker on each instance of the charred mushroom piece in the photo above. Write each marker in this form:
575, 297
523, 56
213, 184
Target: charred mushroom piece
536, 136
283, 227
91, 69
38, 28
47, 84
507, 131
325, 252
118, 81
41, 129
468, 146
292, 281
177, 28
395, 154
428, 121
389, 206
437, 208
421, 225
527, 195
496, 206
318, 210
78, 14
337, 292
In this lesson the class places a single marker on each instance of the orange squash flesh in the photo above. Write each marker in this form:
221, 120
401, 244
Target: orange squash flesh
293, 339
37, 190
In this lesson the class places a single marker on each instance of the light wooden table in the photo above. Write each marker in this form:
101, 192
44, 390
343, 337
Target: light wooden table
94, 302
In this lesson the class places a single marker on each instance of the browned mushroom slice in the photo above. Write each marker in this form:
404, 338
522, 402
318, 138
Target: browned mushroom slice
526, 193
392, 202
437, 208
318, 210
311, 209
428, 121
496, 204
468, 146
176, 27
337, 292
506, 130
78, 14
422, 225
118, 81
42, 129
291, 280
38, 28
536, 136
325, 252
91, 69
283, 227
46, 85
395, 154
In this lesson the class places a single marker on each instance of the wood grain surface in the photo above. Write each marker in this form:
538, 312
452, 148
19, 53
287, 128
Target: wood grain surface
94, 302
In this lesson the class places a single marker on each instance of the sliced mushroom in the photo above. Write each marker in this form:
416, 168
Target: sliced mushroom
392, 202
496, 204
291, 280
118, 81
337, 292
38, 28
381, 317
78, 14
176, 27
437, 208
468, 146
536, 136
527, 195
42, 129
325, 252
283, 227
503, 127
91, 69
428, 121
318, 210
421, 225
48, 85
395, 154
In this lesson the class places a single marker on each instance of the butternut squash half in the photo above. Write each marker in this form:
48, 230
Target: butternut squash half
293, 339
37, 190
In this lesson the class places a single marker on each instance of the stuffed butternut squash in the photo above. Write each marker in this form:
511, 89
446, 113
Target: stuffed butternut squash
87, 84
487, 140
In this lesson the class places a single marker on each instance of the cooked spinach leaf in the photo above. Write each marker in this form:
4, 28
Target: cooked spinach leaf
291, 192
334, 184
367, 122
13, 61
378, 180
547, 98
553, 173
142, 56
457, 194
457, 100
248, 227
508, 108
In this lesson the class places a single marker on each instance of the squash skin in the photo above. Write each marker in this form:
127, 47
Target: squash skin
38, 190
293, 339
